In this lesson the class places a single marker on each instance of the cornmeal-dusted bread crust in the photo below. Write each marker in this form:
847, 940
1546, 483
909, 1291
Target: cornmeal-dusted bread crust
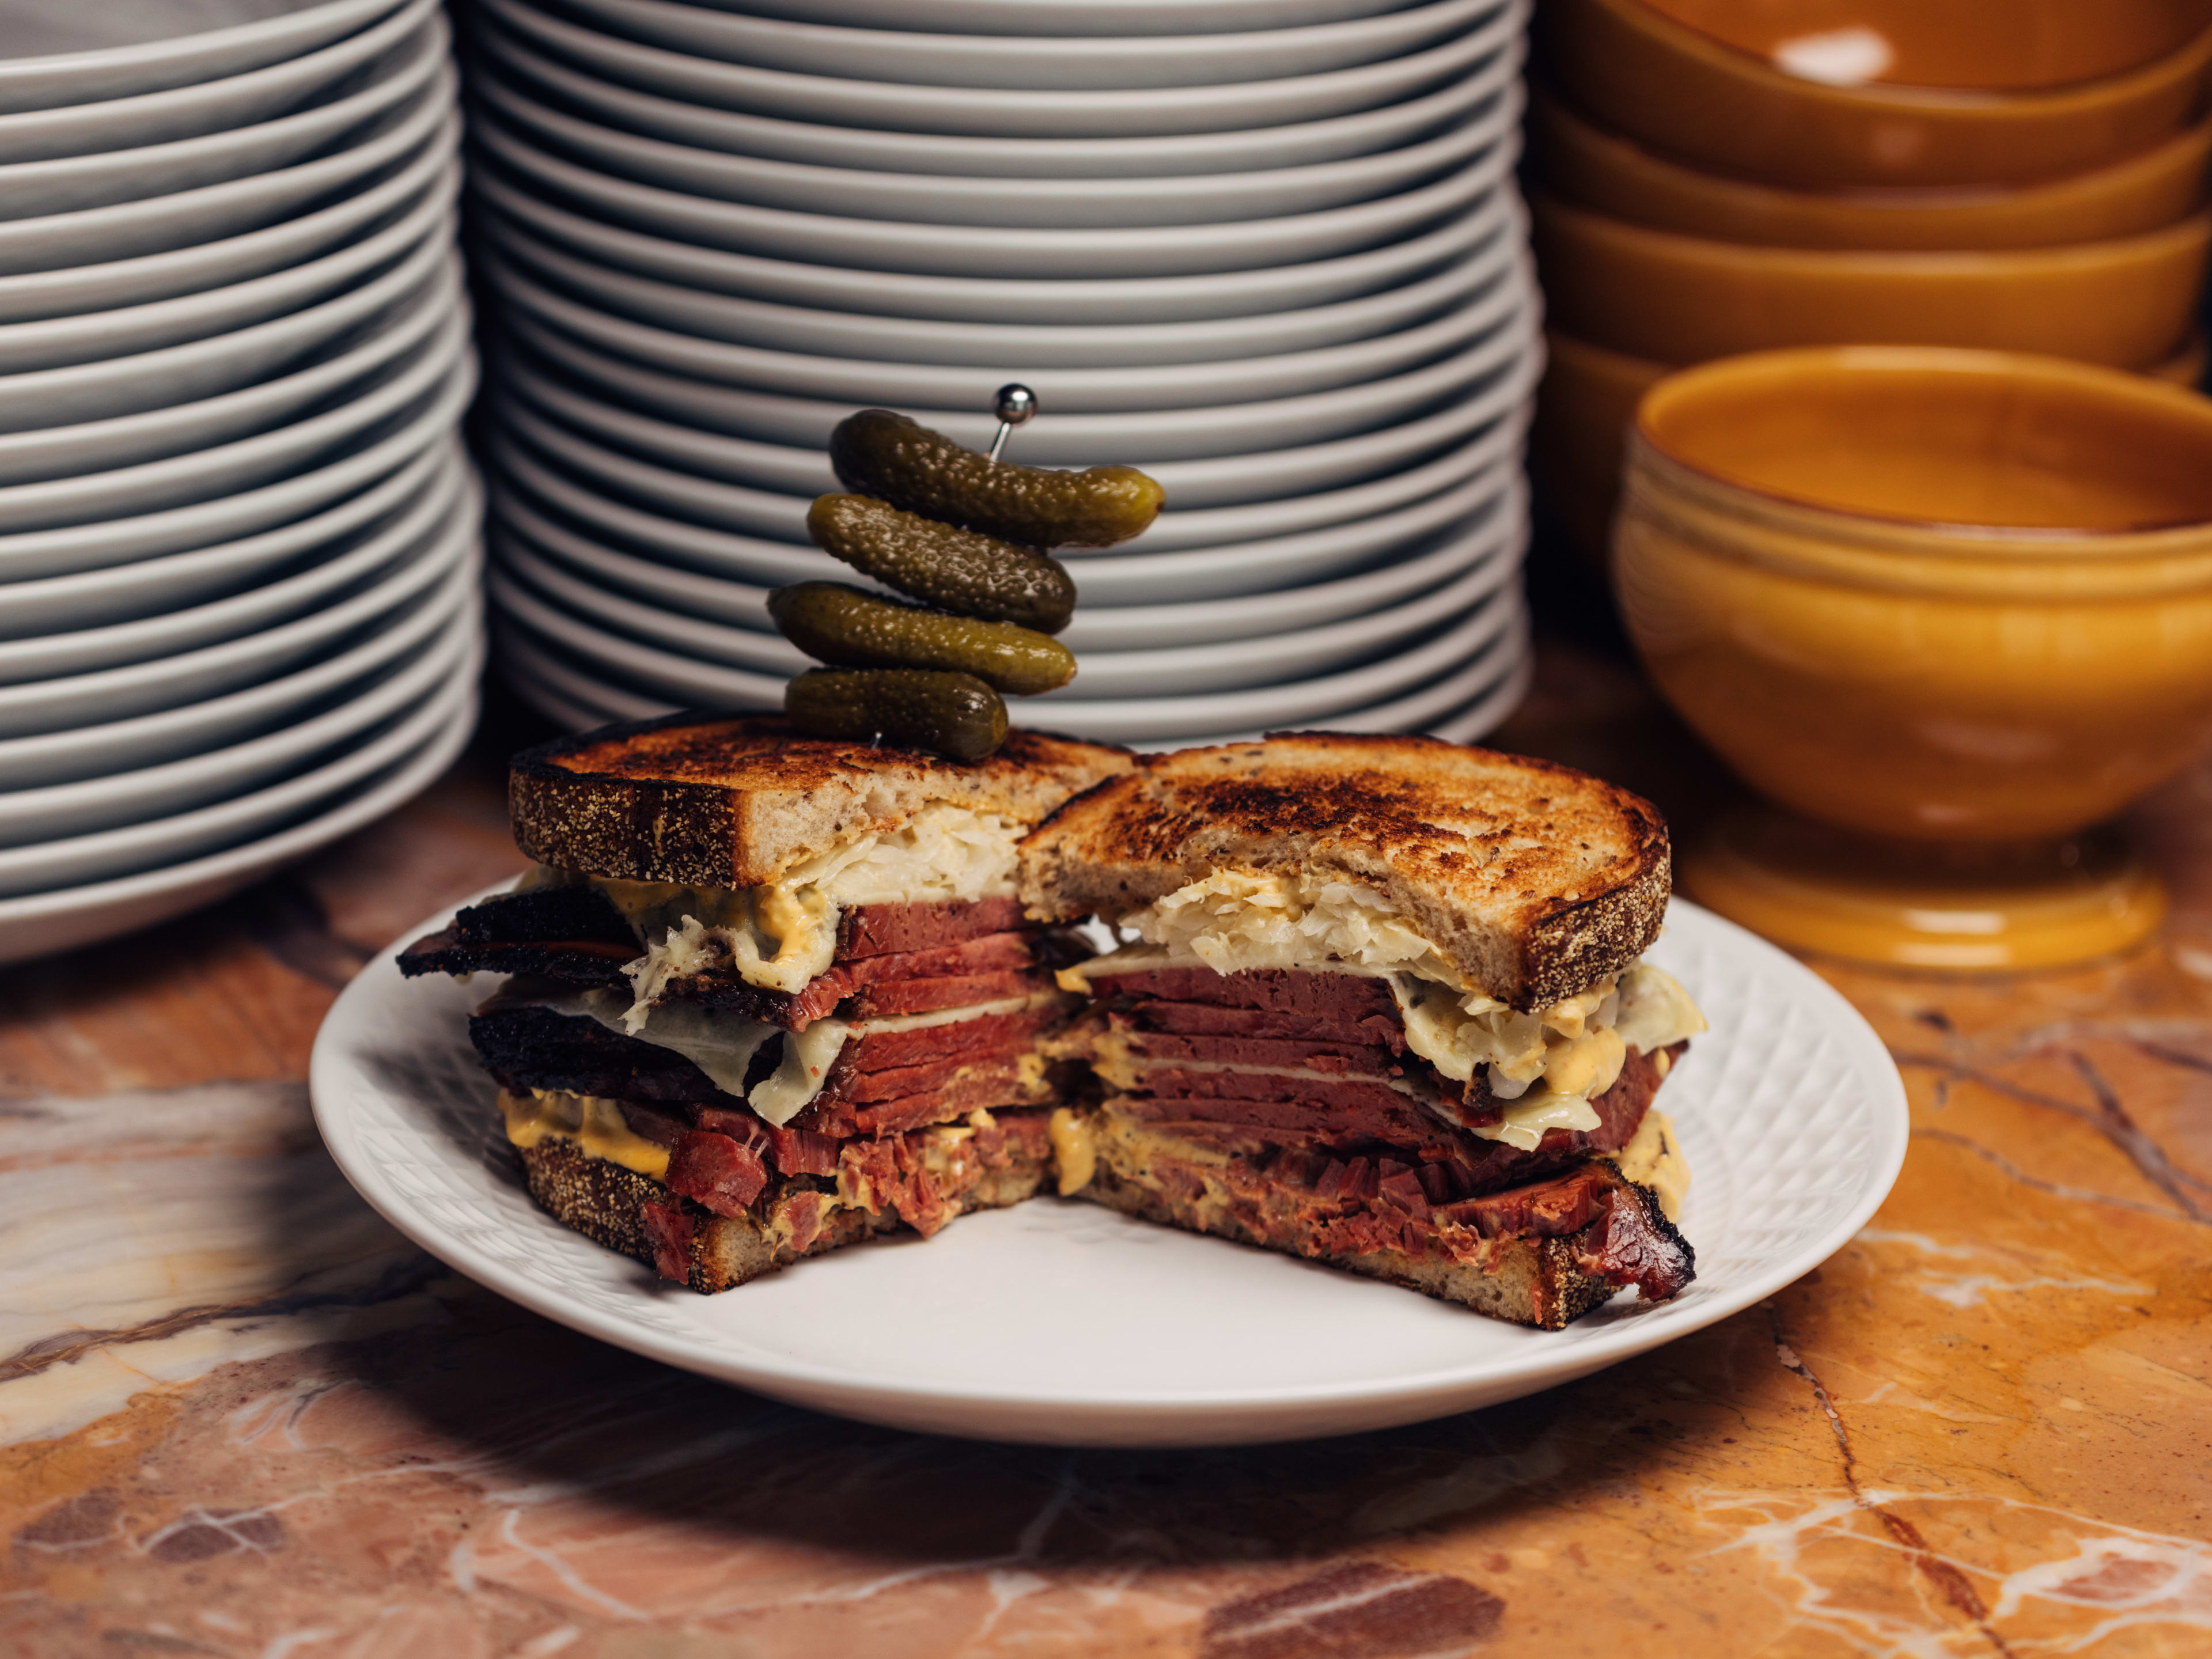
1536, 880
608, 1204
735, 802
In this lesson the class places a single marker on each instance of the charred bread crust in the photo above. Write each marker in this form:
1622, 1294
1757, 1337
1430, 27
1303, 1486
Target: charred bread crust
1536, 879
573, 934
731, 801
606, 1203
535, 1047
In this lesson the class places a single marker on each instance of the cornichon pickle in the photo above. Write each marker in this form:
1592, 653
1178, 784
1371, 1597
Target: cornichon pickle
876, 453
843, 625
941, 564
955, 715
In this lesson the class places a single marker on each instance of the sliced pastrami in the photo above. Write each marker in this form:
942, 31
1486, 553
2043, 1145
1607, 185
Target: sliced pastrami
876, 930
989, 1086
929, 996
993, 954
1311, 1055
715, 1170
876, 1051
1344, 999
1211, 1019
572, 934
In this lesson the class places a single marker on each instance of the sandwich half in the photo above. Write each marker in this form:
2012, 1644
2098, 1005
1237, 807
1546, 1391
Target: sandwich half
770, 994
1382, 1004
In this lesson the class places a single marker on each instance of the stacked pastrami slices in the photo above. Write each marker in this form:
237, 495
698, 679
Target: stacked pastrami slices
771, 994
1384, 1007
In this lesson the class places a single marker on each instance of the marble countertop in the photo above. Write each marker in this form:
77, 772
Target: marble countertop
239, 1415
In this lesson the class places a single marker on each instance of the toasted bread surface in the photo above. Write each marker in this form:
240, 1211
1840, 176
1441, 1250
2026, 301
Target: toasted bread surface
735, 801
1534, 880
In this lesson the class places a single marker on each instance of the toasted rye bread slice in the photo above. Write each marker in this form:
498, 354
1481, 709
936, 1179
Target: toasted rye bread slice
735, 802
612, 1205
1534, 880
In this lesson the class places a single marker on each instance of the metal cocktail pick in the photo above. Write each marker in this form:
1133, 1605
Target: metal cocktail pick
1015, 405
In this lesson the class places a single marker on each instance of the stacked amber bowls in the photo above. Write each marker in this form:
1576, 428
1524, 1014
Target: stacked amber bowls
1949, 610
2028, 176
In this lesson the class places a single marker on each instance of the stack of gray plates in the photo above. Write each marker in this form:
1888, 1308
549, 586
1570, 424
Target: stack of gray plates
238, 610
1269, 250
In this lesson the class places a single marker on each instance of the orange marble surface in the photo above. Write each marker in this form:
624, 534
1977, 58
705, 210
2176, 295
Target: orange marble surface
241, 1416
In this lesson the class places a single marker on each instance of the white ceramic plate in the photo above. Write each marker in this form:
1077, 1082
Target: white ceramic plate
1030, 63
1489, 511
118, 594
998, 251
693, 518
43, 923
234, 100
563, 693
1486, 307
1069, 16
691, 682
116, 694
67, 183
1062, 204
411, 505
227, 470
1313, 473
1064, 1322
1477, 524
179, 730
208, 341
785, 328
176, 278
1461, 705
119, 798
1121, 300
108, 854
1254, 150
412, 309
1148, 437
79, 51
833, 100
1160, 671
158, 223
80, 547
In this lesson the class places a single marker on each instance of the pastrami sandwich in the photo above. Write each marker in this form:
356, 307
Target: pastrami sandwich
771, 994
1383, 1006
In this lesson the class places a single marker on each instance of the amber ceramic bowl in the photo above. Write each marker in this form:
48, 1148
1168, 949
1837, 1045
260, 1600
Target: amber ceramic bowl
1595, 168
1681, 299
1584, 408
1910, 93
1944, 596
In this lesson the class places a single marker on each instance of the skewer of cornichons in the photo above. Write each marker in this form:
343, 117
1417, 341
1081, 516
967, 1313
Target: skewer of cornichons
964, 533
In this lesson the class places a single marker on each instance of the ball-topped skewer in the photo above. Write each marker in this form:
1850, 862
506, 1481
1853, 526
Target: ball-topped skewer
1015, 405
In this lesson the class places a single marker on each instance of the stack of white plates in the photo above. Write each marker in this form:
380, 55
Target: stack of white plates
1269, 250
239, 614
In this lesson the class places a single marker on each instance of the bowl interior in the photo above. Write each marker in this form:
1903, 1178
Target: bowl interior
1965, 439
2017, 45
